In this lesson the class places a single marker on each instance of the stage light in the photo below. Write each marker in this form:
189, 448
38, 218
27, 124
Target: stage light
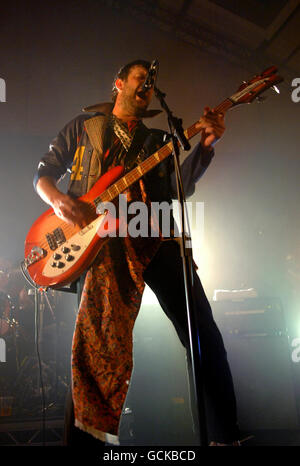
149, 297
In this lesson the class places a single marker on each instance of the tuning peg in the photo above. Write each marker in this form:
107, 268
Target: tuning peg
275, 88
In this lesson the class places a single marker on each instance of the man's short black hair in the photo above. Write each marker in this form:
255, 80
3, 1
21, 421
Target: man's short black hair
124, 72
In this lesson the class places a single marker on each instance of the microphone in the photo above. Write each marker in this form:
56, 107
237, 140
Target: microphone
151, 76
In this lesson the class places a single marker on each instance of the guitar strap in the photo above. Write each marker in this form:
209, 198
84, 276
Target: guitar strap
133, 144
95, 128
136, 153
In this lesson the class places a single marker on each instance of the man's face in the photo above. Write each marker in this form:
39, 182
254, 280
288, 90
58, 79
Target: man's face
130, 96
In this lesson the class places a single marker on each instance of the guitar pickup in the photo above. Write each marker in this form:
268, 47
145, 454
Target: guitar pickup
51, 241
59, 236
56, 238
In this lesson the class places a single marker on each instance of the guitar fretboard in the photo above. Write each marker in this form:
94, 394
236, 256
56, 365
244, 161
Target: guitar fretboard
148, 164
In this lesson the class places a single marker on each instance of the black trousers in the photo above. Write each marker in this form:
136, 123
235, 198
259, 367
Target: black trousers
164, 275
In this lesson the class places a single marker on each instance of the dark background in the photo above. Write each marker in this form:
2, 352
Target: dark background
57, 57
61, 56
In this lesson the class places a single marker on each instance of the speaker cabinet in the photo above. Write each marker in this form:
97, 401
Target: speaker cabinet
259, 357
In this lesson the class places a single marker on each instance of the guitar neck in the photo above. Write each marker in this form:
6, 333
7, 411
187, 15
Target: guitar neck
150, 162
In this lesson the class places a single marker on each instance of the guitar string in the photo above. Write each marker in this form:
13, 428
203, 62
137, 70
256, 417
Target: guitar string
148, 163
133, 176
67, 228
224, 106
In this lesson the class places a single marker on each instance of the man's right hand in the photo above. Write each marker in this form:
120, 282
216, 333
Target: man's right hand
71, 210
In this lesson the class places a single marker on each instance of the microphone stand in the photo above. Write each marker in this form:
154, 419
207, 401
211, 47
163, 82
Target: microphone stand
179, 139
57, 335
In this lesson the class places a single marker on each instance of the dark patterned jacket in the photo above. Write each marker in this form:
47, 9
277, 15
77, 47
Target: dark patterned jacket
76, 151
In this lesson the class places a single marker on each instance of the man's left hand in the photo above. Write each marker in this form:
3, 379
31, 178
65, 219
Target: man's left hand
213, 127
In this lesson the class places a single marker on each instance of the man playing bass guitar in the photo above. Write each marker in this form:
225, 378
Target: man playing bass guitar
106, 136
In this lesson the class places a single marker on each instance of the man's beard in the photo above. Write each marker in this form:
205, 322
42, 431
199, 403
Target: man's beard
133, 107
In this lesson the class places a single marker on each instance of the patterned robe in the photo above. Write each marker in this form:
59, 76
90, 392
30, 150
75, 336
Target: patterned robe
102, 360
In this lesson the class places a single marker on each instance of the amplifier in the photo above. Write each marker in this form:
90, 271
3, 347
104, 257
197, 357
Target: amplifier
250, 316
258, 352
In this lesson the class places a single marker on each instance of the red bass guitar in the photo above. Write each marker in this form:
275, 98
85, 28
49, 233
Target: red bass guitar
57, 253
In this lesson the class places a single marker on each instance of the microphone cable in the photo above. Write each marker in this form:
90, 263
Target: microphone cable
37, 346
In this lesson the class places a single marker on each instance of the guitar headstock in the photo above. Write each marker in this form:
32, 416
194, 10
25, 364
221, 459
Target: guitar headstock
250, 90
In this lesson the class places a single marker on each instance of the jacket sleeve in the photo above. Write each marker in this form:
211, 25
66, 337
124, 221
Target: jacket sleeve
192, 169
58, 160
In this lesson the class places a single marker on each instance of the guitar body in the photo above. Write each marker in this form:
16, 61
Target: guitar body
57, 253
